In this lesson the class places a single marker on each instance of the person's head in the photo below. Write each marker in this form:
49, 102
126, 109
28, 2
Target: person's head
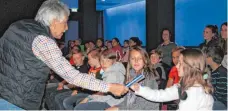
61, 45
106, 43
191, 69
91, 44
93, 58
214, 55
107, 59
155, 57
78, 58
87, 45
109, 45
139, 61
126, 43
209, 32
78, 42
115, 42
224, 30
175, 54
54, 14
134, 41
75, 49
166, 35
100, 42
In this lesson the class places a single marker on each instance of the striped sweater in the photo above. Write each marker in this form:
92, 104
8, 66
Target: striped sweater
219, 82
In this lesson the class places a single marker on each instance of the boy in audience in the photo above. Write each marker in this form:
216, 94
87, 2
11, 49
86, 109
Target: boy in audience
214, 57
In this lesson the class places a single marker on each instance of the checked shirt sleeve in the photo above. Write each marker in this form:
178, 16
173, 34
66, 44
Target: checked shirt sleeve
46, 49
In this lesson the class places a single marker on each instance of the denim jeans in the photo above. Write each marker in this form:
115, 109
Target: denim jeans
5, 105
60, 97
92, 106
219, 106
70, 102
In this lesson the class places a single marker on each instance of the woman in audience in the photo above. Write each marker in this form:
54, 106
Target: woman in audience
166, 46
209, 34
139, 63
134, 41
114, 72
117, 48
99, 43
223, 43
155, 59
194, 90
173, 74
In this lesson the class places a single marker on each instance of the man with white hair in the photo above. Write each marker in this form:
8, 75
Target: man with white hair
28, 49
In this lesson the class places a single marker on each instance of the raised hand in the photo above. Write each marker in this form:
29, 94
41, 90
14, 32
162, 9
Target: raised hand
118, 89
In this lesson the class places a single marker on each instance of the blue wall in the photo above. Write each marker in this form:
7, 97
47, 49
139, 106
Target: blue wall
72, 32
191, 17
126, 21
71, 3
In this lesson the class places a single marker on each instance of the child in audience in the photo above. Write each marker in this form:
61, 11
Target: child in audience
117, 48
114, 72
194, 90
94, 62
214, 56
223, 43
125, 52
155, 59
139, 63
173, 74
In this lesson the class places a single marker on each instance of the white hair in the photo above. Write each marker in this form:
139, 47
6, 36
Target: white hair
50, 10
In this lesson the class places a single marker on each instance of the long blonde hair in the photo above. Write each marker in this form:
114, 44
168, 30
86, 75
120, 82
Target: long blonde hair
194, 66
147, 69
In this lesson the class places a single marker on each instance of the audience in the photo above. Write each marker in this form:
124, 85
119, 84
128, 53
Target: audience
194, 91
114, 72
223, 43
117, 48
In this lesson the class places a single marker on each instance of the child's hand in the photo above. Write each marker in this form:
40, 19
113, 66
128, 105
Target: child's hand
60, 86
135, 87
84, 100
112, 108
74, 92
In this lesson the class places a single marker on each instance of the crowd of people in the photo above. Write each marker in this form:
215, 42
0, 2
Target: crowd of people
88, 75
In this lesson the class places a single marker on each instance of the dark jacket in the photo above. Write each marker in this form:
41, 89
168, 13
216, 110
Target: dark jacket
22, 75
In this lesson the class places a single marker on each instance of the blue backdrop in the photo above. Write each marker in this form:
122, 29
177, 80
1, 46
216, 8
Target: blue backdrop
191, 17
126, 21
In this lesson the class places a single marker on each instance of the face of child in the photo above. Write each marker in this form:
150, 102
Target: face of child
154, 58
179, 66
136, 60
126, 44
175, 57
105, 63
92, 61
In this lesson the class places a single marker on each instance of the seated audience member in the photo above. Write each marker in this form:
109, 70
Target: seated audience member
78, 42
214, 56
93, 60
166, 46
223, 43
134, 41
173, 74
74, 50
58, 94
194, 91
114, 72
155, 59
139, 63
117, 48
209, 36
100, 44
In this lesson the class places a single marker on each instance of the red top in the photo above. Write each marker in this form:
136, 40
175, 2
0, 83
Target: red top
173, 74
118, 51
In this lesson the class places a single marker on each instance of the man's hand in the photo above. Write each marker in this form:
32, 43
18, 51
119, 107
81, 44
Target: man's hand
118, 89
